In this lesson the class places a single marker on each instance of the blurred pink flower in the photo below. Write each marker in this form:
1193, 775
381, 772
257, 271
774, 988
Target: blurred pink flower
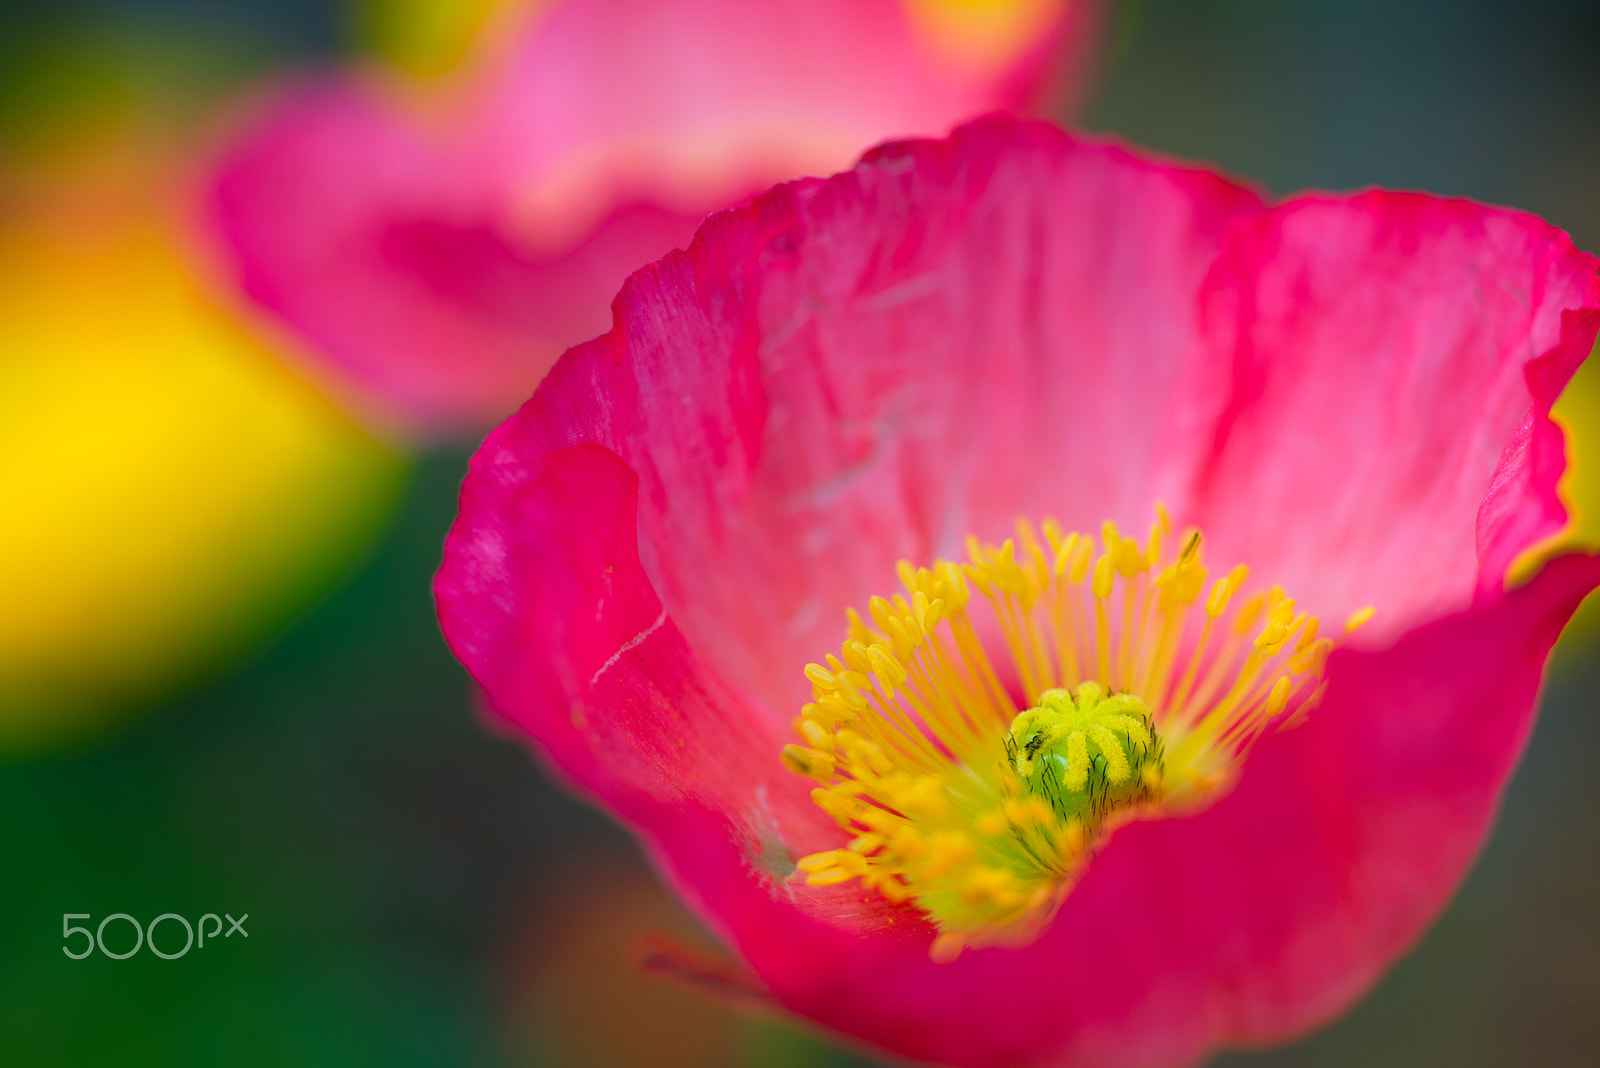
1350, 393
440, 247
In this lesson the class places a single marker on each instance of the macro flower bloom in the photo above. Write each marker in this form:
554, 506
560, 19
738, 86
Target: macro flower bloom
439, 244
1040, 604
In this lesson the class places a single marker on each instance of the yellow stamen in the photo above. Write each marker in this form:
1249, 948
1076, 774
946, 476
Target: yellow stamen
976, 789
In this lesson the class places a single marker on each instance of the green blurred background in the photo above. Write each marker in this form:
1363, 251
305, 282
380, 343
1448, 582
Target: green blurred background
419, 893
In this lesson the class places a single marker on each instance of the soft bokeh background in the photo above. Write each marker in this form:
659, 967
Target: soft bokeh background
420, 894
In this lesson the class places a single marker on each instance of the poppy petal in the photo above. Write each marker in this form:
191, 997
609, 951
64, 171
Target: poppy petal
1373, 367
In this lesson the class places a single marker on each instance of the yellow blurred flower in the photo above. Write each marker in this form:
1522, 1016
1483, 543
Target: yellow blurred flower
1578, 412
169, 489
983, 34
430, 38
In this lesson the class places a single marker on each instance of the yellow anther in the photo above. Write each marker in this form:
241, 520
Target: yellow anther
1082, 555
886, 667
850, 696
855, 657
1307, 635
843, 860
901, 639
1279, 697
882, 613
907, 841
868, 844
1271, 637
979, 577
811, 763
1224, 589
1359, 617
830, 709
842, 808
1110, 537
831, 877
955, 584
1191, 547
893, 889
819, 676
1064, 550
867, 753
1103, 576
852, 678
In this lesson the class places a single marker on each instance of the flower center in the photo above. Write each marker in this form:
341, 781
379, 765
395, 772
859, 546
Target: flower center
976, 788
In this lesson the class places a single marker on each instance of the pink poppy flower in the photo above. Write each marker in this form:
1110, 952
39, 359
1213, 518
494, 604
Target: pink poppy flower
440, 247
1074, 800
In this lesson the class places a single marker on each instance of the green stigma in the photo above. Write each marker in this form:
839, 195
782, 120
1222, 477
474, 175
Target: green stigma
1087, 754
